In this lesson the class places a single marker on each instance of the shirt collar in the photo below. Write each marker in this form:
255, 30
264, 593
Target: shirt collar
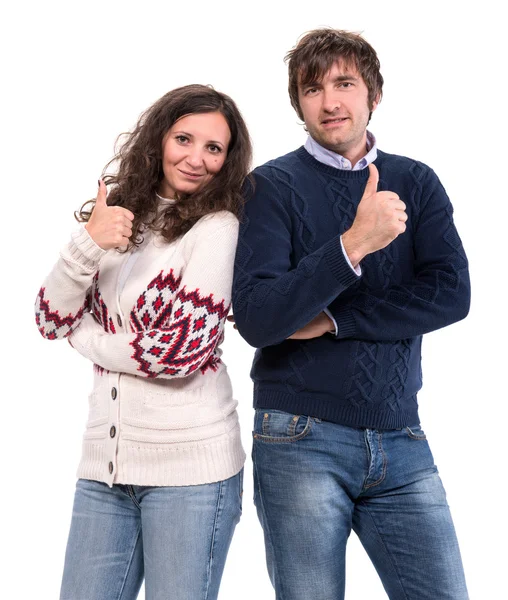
333, 159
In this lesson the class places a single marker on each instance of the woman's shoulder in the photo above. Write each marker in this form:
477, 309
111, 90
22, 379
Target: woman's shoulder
218, 219
213, 231
214, 222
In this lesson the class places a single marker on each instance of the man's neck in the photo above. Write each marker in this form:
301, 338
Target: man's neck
362, 158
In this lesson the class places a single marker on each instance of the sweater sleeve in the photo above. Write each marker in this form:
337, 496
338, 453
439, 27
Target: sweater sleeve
64, 295
272, 297
437, 295
186, 338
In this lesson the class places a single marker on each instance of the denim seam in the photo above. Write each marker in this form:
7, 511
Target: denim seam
129, 564
218, 508
284, 440
413, 436
364, 504
132, 496
292, 426
383, 473
267, 530
264, 427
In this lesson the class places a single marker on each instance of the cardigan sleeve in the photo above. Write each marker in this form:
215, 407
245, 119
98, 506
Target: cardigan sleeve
186, 338
437, 295
272, 297
64, 296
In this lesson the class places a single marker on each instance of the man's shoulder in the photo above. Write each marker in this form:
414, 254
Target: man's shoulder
273, 179
402, 165
286, 163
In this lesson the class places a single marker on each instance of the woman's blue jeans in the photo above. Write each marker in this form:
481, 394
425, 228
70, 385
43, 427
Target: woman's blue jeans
176, 538
314, 481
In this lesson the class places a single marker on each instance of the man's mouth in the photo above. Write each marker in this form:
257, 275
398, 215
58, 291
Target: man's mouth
334, 121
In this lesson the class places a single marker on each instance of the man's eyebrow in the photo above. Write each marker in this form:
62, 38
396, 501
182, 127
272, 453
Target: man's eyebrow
346, 78
310, 84
339, 78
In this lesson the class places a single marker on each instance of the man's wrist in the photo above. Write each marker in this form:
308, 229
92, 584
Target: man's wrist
332, 325
353, 248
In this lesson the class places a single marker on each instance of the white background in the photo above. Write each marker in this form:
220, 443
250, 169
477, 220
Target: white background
76, 75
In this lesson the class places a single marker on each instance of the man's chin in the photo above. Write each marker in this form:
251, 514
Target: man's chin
332, 143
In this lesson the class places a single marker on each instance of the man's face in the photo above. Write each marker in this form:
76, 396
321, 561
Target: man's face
336, 110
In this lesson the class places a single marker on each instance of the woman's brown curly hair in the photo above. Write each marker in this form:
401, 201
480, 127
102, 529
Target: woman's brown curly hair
139, 166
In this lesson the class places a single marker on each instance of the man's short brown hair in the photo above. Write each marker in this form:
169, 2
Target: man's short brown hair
319, 49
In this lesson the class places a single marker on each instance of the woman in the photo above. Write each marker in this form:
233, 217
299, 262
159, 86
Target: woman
143, 291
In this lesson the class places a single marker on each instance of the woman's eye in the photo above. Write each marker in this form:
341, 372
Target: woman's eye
214, 149
181, 138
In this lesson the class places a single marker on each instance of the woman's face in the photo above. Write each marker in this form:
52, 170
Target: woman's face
193, 151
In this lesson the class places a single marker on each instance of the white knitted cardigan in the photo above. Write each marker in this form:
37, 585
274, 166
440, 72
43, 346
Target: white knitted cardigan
161, 411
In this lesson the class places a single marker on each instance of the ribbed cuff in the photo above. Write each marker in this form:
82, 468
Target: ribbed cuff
346, 324
83, 250
337, 262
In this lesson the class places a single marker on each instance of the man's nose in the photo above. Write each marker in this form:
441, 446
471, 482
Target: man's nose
331, 101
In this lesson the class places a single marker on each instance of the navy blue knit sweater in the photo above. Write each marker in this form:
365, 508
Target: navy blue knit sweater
290, 266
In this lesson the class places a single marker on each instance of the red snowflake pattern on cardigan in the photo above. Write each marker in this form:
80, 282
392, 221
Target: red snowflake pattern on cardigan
154, 305
99, 308
176, 337
50, 324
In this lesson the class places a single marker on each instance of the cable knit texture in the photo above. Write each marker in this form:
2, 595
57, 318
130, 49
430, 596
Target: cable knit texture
290, 267
151, 320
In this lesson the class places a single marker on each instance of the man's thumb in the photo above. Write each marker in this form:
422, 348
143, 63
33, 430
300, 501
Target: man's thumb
372, 182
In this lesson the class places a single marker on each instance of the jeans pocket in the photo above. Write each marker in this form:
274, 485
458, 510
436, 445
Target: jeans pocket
415, 432
277, 426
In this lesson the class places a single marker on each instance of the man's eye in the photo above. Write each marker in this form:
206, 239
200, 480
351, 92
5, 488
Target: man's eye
310, 91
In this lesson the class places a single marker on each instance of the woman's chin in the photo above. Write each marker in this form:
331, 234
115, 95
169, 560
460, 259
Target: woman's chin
188, 188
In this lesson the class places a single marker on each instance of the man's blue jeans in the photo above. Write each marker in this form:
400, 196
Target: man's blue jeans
177, 538
314, 481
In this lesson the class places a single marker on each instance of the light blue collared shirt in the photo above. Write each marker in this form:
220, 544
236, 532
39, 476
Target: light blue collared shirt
332, 159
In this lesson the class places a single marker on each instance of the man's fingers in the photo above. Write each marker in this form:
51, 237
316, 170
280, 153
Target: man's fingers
231, 319
372, 182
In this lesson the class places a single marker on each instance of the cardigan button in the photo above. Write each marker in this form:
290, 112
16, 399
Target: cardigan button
119, 320
113, 393
112, 431
111, 467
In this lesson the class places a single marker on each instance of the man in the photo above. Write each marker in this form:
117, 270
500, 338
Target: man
347, 255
